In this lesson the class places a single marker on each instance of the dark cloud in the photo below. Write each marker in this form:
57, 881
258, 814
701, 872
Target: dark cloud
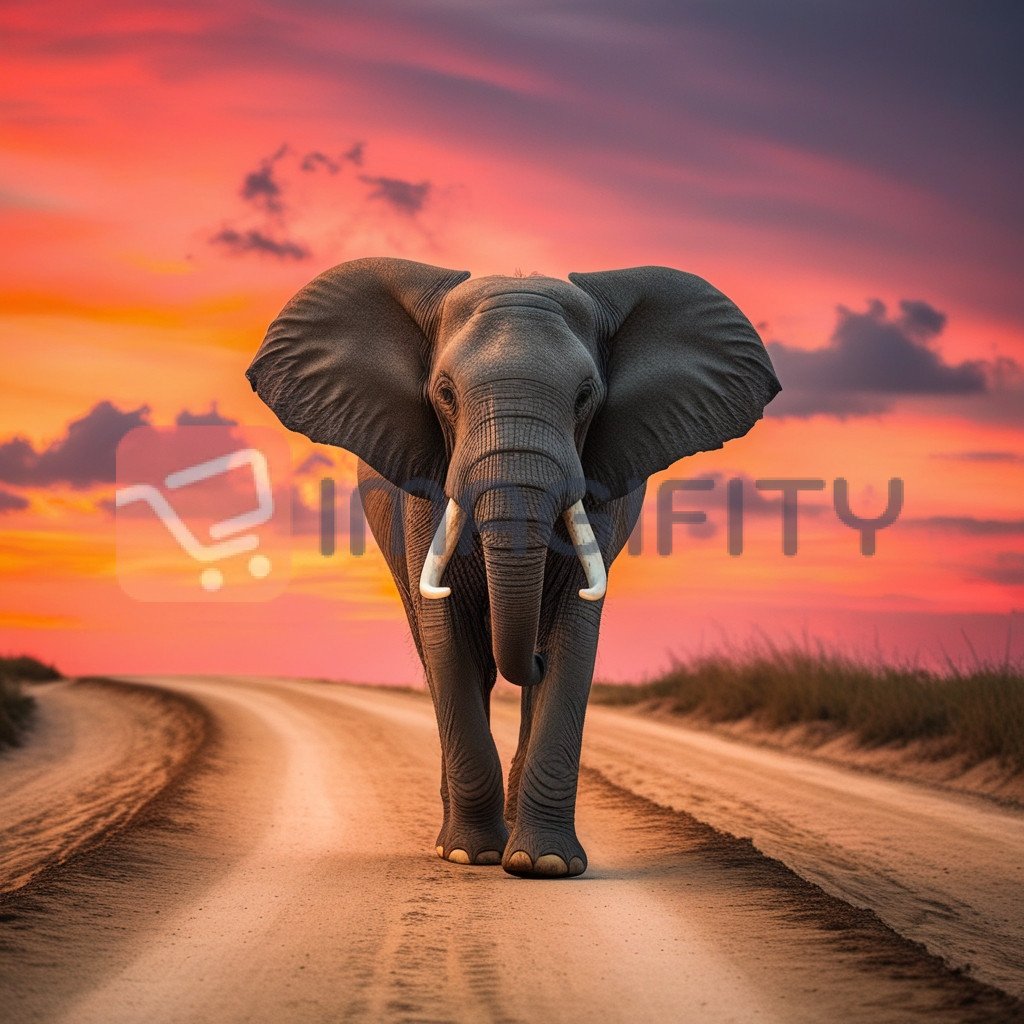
968, 525
268, 191
265, 191
981, 456
355, 153
920, 320
262, 188
253, 240
84, 456
12, 502
871, 360
210, 418
404, 196
315, 160
1007, 570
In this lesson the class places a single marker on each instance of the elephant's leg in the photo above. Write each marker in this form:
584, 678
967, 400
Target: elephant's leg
445, 804
542, 781
543, 842
461, 675
515, 773
485, 692
473, 830
398, 522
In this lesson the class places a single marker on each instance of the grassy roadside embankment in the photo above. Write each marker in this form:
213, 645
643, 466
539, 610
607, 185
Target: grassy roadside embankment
971, 716
16, 706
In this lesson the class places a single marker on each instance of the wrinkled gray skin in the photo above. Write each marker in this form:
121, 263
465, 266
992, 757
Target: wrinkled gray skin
515, 397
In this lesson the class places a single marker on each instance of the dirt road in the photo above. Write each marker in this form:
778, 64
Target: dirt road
286, 873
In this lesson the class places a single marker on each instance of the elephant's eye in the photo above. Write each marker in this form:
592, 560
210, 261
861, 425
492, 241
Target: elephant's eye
446, 396
583, 399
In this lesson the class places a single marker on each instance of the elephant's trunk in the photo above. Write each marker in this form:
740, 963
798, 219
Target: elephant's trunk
515, 586
514, 538
516, 476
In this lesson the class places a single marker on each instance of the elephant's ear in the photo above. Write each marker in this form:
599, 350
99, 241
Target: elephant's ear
686, 372
346, 360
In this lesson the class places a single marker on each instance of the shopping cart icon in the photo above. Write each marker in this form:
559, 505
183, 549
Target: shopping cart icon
228, 537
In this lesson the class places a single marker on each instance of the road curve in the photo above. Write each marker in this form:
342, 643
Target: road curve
98, 753
943, 868
288, 875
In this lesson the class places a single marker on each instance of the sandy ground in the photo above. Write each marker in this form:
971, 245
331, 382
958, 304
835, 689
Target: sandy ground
93, 762
943, 868
931, 761
285, 872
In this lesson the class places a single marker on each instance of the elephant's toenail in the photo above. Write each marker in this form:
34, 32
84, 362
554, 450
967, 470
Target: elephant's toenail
576, 866
519, 861
459, 857
440, 851
488, 857
551, 865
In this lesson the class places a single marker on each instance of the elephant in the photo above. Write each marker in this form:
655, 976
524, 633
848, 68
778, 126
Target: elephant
505, 428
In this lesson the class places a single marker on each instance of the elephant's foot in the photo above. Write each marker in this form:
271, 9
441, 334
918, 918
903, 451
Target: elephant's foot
544, 853
472, 844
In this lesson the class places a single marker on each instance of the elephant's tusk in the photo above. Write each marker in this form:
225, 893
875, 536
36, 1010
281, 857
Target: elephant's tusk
585, 543
441, 549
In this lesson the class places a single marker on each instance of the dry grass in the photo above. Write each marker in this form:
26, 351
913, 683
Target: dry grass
977, 714
15, 710
27, 669
15, 705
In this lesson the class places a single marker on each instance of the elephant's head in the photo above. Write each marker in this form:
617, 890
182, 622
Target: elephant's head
515, 396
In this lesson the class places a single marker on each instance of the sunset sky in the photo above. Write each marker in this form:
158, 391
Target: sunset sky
173, 173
